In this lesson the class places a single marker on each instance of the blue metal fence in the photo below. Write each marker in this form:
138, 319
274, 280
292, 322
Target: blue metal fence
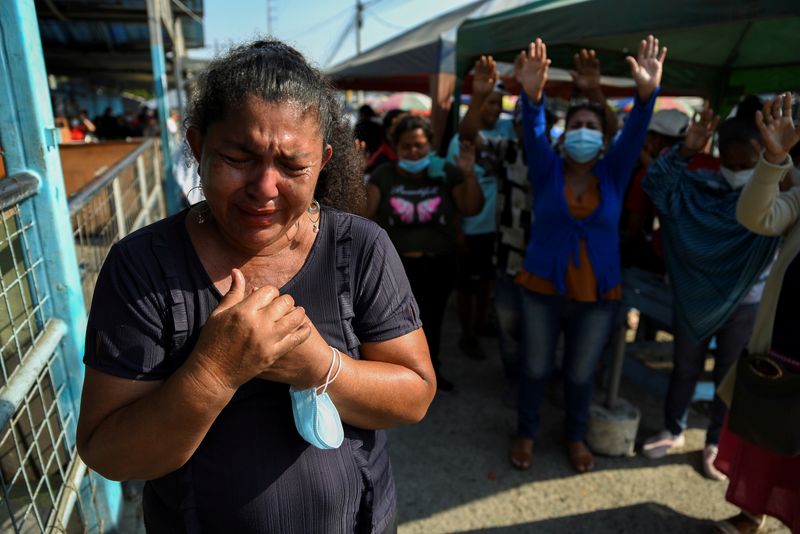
42, 318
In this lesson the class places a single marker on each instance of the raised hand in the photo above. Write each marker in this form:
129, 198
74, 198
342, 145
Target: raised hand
699, 132
586, 75
647, 67
466, 156
484, 77
530, 69
245, 335
778, 131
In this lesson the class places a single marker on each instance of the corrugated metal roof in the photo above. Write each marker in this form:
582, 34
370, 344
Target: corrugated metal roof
106, 38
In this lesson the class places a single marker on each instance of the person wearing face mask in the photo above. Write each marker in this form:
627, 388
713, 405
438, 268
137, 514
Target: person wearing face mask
571, 273
716, 268
416, 200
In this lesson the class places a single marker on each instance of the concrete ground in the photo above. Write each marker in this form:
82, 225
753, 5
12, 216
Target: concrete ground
453, 474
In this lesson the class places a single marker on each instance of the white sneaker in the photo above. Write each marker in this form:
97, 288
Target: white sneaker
709, 455
662, 444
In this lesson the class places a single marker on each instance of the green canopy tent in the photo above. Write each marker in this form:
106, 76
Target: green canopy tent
720, 49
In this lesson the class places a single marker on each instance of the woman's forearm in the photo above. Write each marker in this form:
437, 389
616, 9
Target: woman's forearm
374, 395
762, 209
468, 194
393, 384
155, 434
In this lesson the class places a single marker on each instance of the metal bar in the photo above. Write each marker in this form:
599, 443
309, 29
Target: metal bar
30, 143
25, 378
119, 208
618, 344
17, 188
70, 495
147, 210
82, 197
141, 178
160, 83
178, 51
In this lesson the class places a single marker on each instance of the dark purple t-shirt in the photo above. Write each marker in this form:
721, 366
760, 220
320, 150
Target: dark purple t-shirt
253, 473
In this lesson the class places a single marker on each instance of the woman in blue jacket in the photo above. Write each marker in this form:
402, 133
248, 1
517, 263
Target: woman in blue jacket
572, 264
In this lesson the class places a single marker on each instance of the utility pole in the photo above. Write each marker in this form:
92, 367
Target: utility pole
359, 24
269, 17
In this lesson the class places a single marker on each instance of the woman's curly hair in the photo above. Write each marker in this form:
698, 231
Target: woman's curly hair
277, 73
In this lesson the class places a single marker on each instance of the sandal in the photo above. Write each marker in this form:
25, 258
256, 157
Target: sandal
521, 453
743, 523
580, 456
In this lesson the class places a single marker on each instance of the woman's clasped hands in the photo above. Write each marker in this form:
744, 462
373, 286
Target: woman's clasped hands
248, 335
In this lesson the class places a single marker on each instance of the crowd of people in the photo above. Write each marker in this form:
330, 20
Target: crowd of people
109, 126
265, 337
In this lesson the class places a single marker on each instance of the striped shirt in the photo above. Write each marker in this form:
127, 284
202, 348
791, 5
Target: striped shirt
712, 260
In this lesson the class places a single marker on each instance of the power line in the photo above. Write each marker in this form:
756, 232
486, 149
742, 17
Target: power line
385, 22
373, 3
340, 42
322, 23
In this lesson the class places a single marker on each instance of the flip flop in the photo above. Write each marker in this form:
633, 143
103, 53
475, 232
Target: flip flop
580, 456
521, 453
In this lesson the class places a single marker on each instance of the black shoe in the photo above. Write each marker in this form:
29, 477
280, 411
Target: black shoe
472, 348
443, 384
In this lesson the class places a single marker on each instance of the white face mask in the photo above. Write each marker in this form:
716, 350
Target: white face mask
736, 179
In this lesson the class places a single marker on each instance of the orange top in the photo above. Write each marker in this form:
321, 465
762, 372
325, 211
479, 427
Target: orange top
580, 281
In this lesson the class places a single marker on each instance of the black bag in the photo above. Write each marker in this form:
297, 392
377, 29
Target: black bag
766, 404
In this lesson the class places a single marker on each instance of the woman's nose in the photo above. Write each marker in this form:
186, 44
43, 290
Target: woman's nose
265, 183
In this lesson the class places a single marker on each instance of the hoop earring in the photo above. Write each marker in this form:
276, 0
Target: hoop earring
200, 209
314, 209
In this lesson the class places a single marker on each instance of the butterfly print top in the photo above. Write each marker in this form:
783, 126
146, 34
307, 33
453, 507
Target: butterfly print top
417, 213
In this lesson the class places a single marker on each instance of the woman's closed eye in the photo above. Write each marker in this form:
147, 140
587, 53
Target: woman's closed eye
236, 160
294, 168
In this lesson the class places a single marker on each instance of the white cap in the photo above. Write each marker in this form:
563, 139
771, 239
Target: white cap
669, 122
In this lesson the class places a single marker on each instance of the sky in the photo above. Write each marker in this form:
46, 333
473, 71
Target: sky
322, 29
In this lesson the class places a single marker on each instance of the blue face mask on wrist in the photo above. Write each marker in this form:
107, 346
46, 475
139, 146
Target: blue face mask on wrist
414, 166
583, 144
315, 416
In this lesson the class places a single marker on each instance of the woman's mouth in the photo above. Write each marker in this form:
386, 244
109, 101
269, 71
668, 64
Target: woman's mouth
258, 216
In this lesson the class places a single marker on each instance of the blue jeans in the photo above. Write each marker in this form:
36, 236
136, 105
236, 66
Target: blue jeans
689, 360
508, 305
586, 327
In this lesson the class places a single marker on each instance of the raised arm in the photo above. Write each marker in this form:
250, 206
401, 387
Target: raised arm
467, 195
483, 81
646, 71
530, 69
647, 67
586, 77
762, 208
